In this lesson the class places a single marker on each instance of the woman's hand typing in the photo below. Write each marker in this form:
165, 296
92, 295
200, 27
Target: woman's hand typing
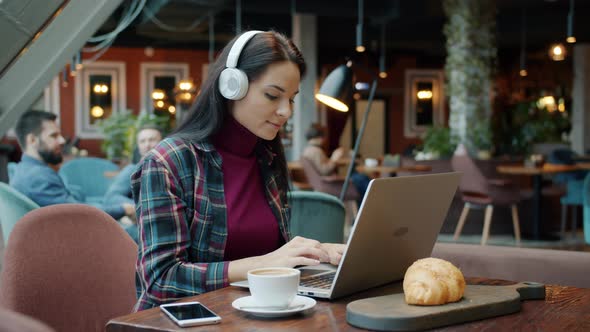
298, 251
335, 252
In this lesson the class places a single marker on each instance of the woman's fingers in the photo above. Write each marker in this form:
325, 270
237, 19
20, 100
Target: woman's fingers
335, 252
301, 241
300, 260
303, 251
318, 253
335, 259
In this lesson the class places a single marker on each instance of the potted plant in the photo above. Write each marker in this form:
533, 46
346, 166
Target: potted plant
526, 124
480, 135
119, 131
436, 144
115, 130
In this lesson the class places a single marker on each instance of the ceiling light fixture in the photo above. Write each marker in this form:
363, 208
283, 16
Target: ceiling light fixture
73, 66
96, 111
359, 29
185, 85
211, 37
79, 65
100, 88
570, 24
382, 72
424, 94
185, 92
523, 72
158, 94
64, 78
557, 52
238, 17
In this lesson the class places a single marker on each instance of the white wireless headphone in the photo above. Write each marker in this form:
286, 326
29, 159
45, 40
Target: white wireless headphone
233, 83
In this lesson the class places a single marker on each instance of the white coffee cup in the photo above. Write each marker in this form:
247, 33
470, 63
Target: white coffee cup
273, 286
371, 162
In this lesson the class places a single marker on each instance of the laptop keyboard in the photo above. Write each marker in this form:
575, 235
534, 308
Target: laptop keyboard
323, 281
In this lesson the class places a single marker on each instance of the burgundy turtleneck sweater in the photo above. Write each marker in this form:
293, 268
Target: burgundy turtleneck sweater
251, 226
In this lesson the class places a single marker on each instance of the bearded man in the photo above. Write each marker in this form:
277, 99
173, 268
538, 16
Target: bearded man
41, 141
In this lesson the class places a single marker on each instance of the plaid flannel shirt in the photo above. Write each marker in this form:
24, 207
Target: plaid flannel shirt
181, 212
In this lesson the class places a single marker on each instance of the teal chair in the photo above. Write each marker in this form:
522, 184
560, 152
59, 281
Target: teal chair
13, 206
571, 200
574, 183
86, 175
586, 194
317, 216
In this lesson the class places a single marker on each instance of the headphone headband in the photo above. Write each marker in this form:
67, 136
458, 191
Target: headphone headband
236, 49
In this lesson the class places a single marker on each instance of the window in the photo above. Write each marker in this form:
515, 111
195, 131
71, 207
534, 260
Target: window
162, 78
424, 101
100, 92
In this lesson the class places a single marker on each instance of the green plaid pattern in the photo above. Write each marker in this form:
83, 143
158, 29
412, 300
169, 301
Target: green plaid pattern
181, 213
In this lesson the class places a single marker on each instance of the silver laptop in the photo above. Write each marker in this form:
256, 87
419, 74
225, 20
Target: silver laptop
397, 223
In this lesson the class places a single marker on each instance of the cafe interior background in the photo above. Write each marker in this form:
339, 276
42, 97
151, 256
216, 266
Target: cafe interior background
502, 76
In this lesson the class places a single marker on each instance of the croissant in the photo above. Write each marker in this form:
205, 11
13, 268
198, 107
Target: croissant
433, 281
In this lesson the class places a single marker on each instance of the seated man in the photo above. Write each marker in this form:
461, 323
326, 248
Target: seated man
120, 189
327, 166
40, 139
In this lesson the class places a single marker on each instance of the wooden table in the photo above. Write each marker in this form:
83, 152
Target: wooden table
296, 166
537, 174
564, 308
385, 171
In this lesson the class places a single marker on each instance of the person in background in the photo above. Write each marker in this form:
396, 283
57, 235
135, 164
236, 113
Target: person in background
314, 152
41, 142
120, 189
211, 198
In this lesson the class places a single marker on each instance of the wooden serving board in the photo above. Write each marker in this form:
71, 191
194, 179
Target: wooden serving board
391, 313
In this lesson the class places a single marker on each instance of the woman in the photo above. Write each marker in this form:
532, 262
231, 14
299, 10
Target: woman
314, 151
327, 166
211, 199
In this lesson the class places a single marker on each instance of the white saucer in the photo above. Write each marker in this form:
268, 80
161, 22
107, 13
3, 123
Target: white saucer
299, 304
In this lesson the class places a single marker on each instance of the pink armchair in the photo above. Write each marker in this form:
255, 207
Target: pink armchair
330, 184
479, 191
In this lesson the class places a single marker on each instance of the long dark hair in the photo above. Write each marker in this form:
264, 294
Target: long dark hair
206, 115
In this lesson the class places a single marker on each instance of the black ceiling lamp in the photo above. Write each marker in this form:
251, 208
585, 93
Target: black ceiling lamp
333, 92
336, 88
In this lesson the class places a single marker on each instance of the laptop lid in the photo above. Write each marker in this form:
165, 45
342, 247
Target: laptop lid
398, 223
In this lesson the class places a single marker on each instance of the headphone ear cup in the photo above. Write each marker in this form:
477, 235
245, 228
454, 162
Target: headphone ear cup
233, 83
